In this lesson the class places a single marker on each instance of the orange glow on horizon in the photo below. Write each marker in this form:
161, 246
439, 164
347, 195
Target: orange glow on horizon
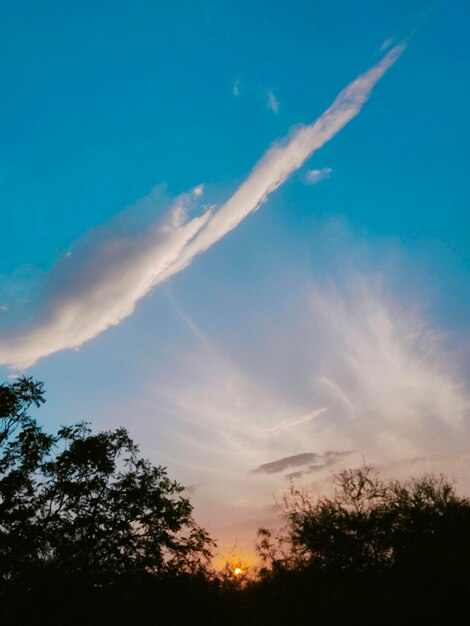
228, 561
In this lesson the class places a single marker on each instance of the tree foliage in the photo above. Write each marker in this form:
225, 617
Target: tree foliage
375, 552
15, 401
370, 526
86, 506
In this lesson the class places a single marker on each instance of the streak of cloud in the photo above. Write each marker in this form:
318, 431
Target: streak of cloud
98, 289
312, 177
297, 460
286, 424
273, 102
386, 44
283, 159
309, 462
101, 288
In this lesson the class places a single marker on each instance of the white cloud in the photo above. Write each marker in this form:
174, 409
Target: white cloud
282, 159
313, 177
386, 44
385, 369
295, 421
100, 286
198, 191
363, 371
236, 89
272, 103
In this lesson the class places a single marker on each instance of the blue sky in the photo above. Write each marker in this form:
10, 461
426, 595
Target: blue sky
266, 344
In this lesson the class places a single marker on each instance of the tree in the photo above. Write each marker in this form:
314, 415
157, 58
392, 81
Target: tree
376, 552
15, 401
372, 526
86, 507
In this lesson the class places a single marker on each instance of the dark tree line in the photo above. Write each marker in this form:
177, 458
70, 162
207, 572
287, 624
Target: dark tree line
91, 533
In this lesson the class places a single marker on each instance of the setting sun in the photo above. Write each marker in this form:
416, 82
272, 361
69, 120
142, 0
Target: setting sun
238, 568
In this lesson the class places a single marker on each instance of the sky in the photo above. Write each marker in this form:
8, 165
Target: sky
241, 230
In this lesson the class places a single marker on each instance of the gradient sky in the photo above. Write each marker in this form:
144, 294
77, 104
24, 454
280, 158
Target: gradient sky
247, 320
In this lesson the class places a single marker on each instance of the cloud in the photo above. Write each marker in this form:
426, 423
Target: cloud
324, 462
281, 160
191, 489
289, 461
99, 284
236, 88
386, 44
350, 331
387, 381
384, 362
198, 191
312, 177
286, 424
272, 102
310, 461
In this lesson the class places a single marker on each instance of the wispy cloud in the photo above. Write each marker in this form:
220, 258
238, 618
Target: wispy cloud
309, 462
312, 177
386, 44
281, 160
273, 102
347, 362
236, 88
297, 460
393, 392
295, 421
100, 287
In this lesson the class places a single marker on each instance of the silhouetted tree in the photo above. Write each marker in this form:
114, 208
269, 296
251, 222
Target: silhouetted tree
15, 400
375, 552
85, 506
371, 525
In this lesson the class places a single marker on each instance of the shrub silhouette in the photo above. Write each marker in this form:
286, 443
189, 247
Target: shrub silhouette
374, 552
370, 525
